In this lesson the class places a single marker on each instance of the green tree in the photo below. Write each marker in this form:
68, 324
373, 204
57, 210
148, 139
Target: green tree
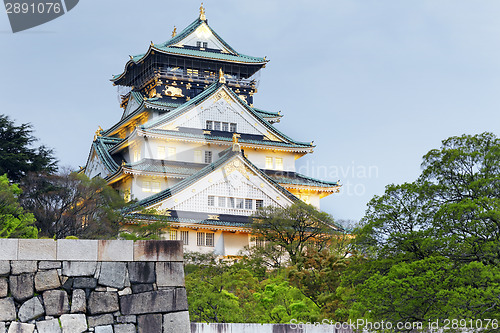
432, 247
294, 228
17, 156
70, 204
14, 221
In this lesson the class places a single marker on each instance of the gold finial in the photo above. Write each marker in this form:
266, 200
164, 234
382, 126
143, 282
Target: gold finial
235, 137
98, 133
131, 57
123, 162
174, 32
152, 44
222, 79
202, 13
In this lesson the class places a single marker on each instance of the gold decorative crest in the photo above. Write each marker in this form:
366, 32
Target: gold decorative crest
236, 165
222, 95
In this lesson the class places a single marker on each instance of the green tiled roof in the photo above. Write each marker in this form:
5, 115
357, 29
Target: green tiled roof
294, 178
162, 166
227, 139
101, 146
169, 48
267, 114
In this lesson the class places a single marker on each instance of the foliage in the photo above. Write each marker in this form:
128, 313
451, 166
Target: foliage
14, 221
70, 204
294, 228
139, 229
17, 156
431, 248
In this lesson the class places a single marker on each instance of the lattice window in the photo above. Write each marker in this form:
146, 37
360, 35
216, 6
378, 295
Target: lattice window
200, 238
248, 204
209, 125
173, 234
211, 200
222, 202
208, 157
232, 127
269, 162
185, 237
161, 152
197, 156
278, 163
210, 239
259, 203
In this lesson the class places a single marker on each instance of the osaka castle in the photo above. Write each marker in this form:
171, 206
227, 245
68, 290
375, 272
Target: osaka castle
193, 145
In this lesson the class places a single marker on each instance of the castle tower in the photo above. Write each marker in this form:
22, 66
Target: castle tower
192, 145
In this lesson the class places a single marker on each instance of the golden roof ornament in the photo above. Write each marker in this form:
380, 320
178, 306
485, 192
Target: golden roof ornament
222, 78
236, 145
202, 13
174, 32
98, 133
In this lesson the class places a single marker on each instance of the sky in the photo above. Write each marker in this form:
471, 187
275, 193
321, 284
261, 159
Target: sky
375, 84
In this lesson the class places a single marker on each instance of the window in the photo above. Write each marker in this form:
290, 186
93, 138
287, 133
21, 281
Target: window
208, 157
211, 200
197, 156
200, 238
210, 125
248, 204
222, 202
198, 44
260, 243
209, 241
173, 234
230, 202
161, 152
205, 44
259, 203
225, 127
149, 186
171, 153
185, 237
278, 163
217, 125
269, 162
232, 127
239, 203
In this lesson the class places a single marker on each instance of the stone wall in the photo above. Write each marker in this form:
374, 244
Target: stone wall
75, 286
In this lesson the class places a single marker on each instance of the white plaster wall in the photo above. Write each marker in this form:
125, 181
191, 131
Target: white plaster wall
258, 157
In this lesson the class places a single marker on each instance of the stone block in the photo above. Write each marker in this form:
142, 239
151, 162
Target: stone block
49, 265
78, 268
169, 274
8, 248
7, 309
141, 272
4, 288
84, 282
149, 323
154, 301
4, 267
21, 286
77, 249
78, 301
164, 250
45, 280
112, 274
106, 319
103, 329
115, 250
48, 326
177, 322
126, 319
3, 328
31, 309
73, 323
103, 302
23, 266
16, 327
125, 328
142, 288
37, 249
56, 302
